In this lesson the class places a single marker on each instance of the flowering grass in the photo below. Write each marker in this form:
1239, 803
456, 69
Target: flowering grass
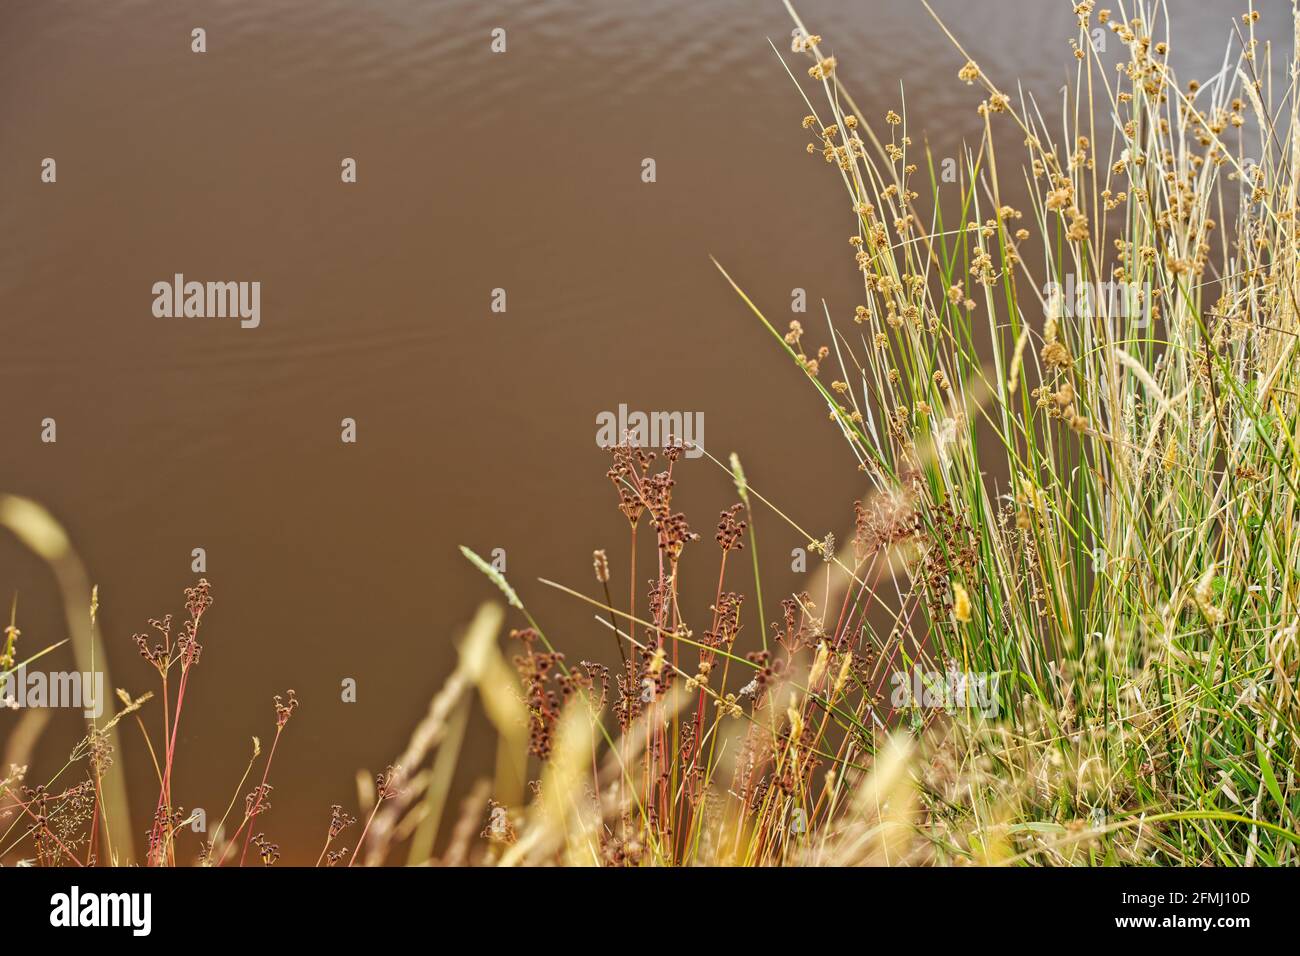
1085, 504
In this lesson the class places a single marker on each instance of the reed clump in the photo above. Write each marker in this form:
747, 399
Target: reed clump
1064, 627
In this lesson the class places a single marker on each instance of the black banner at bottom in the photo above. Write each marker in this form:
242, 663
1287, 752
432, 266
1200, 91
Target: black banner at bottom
501, 906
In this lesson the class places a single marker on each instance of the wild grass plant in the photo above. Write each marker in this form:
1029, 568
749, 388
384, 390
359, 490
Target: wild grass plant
1063, 627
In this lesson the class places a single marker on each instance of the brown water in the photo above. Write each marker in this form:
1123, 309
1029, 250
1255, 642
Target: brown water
476, 171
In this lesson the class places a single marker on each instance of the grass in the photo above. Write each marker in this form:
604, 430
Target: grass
1084, 507
1063, 629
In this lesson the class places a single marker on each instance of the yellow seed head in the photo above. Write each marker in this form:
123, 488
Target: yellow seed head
960, 603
